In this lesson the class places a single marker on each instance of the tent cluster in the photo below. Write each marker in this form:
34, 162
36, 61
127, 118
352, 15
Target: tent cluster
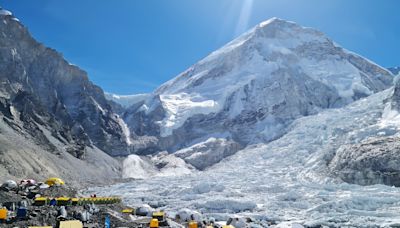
16, 198
28, 203
51, 203
30, 184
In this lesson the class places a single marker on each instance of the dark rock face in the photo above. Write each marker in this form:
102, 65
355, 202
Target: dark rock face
143, 126
374, 161
39, 89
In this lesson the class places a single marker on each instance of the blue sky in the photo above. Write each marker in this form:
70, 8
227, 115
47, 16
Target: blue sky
133, 46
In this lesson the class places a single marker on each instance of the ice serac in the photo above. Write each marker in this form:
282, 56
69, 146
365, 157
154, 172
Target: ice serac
209, 152
163, 164
53, 104
251, 89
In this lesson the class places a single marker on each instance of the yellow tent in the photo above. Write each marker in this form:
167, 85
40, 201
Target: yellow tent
74, 201
71, 224
41, 201
54, 181
3, 213
154, 223
159, 215
128, 211
193, 224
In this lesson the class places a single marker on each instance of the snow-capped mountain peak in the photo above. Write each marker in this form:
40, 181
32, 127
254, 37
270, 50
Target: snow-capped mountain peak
272, 20
250, 89
271, 45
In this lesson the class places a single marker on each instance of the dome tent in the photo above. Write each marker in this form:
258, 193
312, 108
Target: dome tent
9, 185
55, 181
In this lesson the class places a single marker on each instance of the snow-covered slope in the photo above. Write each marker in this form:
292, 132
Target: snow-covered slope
251, 89
127, 100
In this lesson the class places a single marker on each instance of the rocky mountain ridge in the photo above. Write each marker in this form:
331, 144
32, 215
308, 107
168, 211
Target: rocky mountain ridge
53, 104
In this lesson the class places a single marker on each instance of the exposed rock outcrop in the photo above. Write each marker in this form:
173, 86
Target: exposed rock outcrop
374, 161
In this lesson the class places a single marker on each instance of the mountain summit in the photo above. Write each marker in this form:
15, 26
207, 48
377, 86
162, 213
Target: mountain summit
252, 88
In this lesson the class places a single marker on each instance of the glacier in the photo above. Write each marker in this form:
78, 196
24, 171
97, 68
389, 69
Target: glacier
287, 179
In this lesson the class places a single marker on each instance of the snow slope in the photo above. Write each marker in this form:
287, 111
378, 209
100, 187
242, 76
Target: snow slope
127, 100
286, 179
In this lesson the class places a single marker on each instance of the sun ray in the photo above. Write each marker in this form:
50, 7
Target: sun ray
244, 17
